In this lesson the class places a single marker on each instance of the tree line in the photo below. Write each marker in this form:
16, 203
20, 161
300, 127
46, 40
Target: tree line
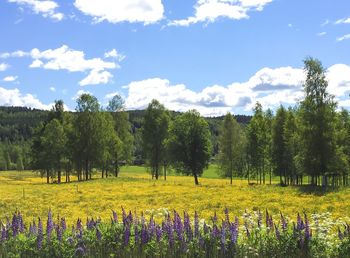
310, 140
307, 143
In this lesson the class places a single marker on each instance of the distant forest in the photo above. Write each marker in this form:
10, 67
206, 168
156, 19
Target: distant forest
18, 125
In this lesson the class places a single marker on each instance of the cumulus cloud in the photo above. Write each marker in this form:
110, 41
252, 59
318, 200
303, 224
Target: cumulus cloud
46, 8
53, 89
114, 54
3, 67
210, 10
321, 34
13, 97
343, 21
144, 11
271, 87
345, 37
96, 77
10, 78
65, 58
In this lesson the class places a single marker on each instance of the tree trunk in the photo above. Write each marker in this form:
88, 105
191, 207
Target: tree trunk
47, 177
86, 170
165, 171
195, 179
59, 176
157, 172
116, 170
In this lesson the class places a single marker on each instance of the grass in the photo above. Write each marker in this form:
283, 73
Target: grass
135, 191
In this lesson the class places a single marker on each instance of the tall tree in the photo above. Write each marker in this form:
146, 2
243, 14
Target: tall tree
87, 129
189, 144
257, 144
317, 122
54, 142
231, 145
279, 144
154, 133
123, 146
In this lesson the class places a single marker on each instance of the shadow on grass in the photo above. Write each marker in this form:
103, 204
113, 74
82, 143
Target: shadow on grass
316, 190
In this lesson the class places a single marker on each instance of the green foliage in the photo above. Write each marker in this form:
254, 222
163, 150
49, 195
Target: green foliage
189, 144
154, 133
316, 123
231, 148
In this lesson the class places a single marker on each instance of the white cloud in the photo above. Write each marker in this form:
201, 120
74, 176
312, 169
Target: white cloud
345, 37
271, 87
13, 97
343, 21
10, 78
96, 77
65, 58
326, 22
145, 11
3, 67
321, 34
46, 8
114, 54
53, 89
211, 10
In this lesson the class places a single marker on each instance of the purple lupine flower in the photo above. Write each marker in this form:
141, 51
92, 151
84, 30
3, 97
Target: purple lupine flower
205, 228
136, 233
39, 239
15, 225
300, 223
152, 228
126, 235
58, 233
49, 226
278, 234
196, 224
159, 233
80, 251
308, 232
130, 218
63, 224
223, 236
98, 234
234, 231
20, 222
215, 232
79, 225
4, 235
70, 240
187, 226
144, 234
90, 224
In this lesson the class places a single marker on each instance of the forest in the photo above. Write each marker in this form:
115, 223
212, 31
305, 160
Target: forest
308, 143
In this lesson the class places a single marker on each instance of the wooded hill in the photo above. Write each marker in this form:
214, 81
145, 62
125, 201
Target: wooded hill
18, 124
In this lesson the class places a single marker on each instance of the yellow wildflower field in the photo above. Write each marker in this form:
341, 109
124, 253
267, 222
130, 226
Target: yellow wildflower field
29, 193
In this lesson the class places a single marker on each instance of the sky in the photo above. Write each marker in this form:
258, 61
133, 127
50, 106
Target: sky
215, 56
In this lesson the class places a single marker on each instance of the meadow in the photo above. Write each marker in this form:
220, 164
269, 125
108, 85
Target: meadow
136, 191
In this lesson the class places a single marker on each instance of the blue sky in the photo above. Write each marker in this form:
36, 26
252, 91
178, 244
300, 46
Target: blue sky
216, 56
